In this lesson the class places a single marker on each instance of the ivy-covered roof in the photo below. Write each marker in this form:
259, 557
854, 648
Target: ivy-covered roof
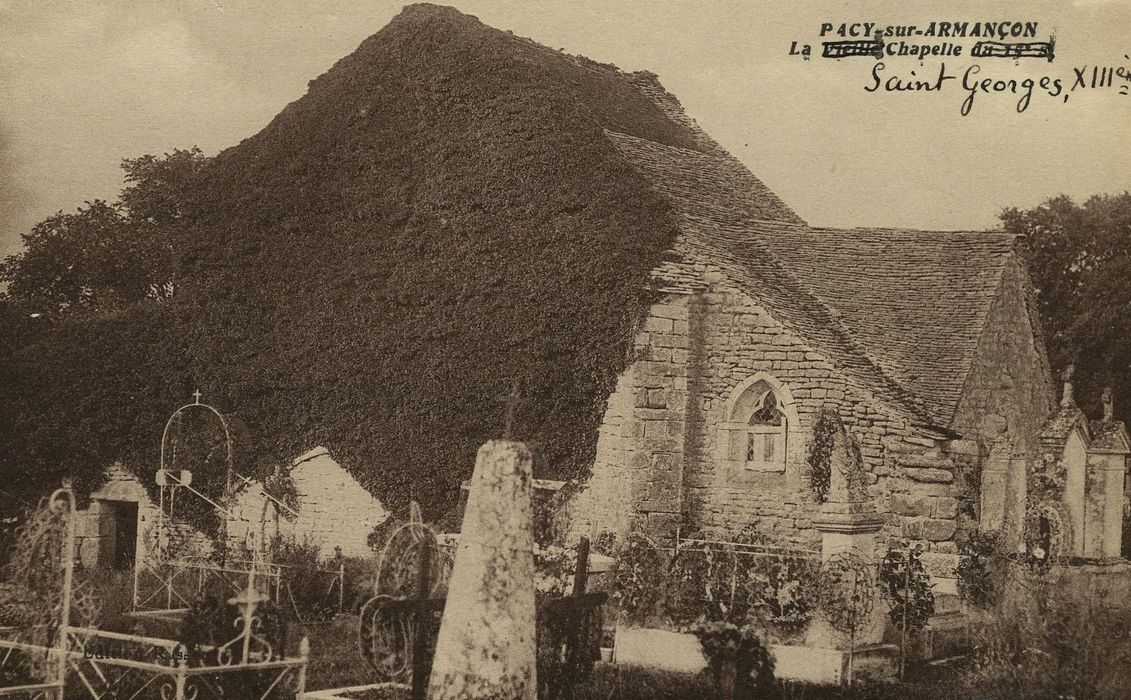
438, 217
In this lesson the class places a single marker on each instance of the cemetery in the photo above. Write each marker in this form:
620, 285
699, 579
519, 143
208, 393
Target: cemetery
490, 374
510, 606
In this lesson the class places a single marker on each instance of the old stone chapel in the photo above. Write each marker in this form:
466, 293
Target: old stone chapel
810, 384
923, 347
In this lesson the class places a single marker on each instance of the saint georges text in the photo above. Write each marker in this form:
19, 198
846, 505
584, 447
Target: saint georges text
970, 80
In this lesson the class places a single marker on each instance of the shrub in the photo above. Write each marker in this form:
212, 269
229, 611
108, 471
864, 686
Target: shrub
606, 542
982, 570
640, 569
737, 659
361, 578
907, 585
306, 583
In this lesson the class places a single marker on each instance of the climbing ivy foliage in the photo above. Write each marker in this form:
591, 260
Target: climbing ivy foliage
440, 215
89, 392
821, 453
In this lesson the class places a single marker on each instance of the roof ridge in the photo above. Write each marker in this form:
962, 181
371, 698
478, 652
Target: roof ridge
783, 288
721, 156
983, 317
989, 234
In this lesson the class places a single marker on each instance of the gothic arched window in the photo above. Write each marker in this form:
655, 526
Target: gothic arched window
756, 431
765, 438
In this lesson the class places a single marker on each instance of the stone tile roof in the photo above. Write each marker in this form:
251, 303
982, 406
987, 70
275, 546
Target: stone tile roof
1055, 431
1109, 436
725, 216
917, 300
901, 310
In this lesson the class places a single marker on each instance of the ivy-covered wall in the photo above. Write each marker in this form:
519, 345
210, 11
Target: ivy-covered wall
439, 216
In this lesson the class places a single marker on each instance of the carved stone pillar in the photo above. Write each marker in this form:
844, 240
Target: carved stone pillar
848, 523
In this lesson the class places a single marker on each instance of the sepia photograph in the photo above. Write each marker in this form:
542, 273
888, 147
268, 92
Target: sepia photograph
546, 350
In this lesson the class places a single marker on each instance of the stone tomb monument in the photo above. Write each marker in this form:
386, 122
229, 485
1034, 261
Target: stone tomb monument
486, 646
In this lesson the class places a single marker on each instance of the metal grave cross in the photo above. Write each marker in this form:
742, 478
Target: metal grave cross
421, 608
572, 609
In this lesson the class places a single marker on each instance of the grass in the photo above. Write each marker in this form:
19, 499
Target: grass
626, 683
335, 659
336, 662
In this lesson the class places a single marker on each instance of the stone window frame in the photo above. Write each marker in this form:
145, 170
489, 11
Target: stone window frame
734, 429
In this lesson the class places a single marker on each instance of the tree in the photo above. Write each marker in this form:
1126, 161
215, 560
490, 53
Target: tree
106, 256
1080, 261
89, 360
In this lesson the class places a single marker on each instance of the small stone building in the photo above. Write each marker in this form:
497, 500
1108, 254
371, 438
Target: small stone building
334, 509
118, 528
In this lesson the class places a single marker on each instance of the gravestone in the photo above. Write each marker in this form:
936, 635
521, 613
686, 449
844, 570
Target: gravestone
486, 646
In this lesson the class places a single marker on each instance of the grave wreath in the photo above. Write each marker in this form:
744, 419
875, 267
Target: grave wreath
741, 665
641, 569
700, 585
782, 592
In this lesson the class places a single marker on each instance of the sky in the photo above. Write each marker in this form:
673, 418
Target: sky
85, 84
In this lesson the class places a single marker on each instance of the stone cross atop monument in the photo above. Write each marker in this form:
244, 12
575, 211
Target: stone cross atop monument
511, 400
1066, 398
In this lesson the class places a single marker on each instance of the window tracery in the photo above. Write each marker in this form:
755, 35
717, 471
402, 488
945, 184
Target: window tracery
757, 427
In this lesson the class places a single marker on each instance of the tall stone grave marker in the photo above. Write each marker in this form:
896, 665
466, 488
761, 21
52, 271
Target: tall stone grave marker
486, 646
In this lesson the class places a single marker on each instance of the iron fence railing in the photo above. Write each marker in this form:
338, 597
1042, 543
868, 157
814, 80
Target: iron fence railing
176, 585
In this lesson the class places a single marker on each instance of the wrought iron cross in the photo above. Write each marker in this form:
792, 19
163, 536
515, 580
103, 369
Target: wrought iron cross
573, 609
511, 400
416, 613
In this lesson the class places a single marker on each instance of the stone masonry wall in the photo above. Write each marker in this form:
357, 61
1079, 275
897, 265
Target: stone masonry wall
1010, 377
334, 509
670, 406
910, 474
639, 464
